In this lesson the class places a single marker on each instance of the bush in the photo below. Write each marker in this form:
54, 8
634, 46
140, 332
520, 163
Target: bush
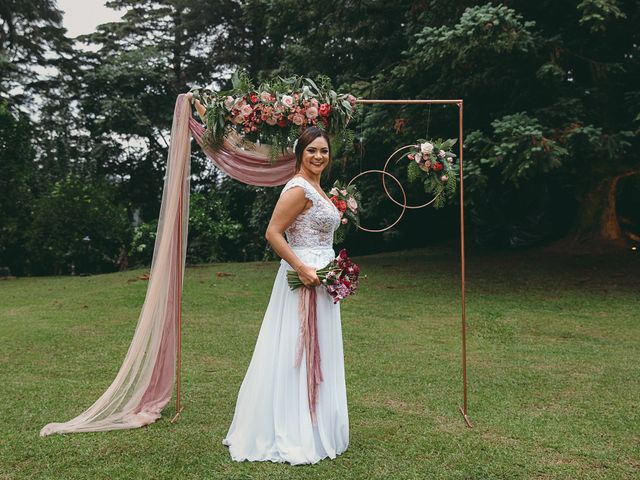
78, 228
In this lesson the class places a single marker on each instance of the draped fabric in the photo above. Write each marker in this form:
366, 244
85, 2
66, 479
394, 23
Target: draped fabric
308, 342
144, 383
249, 165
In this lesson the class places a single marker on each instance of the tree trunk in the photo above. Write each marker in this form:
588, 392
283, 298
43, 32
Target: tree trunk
597, 220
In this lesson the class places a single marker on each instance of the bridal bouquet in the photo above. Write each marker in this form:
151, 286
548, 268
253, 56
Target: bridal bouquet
339, 277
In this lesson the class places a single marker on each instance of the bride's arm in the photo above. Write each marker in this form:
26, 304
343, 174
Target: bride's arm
289, 206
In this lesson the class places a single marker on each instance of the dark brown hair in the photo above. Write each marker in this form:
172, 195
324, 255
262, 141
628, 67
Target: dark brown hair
308, 136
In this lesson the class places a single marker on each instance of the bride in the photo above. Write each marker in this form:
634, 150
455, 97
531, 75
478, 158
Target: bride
276, 417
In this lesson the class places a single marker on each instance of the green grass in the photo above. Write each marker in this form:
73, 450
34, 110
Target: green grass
553, 348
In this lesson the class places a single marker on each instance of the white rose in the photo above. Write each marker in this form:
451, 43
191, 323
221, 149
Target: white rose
333, 191
352, 204
442, 153
426, 148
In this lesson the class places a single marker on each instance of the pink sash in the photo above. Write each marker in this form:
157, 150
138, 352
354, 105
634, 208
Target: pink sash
308, 340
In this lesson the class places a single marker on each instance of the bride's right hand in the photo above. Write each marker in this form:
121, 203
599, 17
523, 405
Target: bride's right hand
308, 276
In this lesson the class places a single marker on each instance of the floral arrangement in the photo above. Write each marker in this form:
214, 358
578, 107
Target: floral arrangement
340, 277
276, 112
432, 162
347, 201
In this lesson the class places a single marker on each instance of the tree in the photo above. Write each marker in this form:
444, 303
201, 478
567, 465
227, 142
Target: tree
32, 39
550, 97
18, 177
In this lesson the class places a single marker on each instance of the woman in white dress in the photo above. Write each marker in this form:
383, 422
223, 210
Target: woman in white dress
275, 419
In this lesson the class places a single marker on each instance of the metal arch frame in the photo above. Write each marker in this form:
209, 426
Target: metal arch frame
460, 104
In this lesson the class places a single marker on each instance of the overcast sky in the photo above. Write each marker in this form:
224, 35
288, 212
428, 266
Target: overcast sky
83, 16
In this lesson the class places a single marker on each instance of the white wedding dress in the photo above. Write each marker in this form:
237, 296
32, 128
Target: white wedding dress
272, 419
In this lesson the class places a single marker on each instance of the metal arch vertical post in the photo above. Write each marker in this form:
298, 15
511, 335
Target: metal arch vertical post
460, 104
178, 261
463, 409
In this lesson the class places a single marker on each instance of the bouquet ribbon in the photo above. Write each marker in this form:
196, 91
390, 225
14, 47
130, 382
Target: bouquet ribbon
308, 340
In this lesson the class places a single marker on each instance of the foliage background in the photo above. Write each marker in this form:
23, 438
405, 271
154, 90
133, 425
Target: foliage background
551, 120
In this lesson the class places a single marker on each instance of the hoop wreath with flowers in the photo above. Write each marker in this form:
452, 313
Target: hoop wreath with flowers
276, 112
432, 162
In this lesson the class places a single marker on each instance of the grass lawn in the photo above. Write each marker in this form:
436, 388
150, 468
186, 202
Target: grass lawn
554, 375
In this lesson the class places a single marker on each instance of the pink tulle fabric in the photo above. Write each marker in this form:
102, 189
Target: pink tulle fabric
248, 165
144, 383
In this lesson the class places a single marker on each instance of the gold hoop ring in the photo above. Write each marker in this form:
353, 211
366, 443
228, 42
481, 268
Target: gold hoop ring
401, 189
384, 184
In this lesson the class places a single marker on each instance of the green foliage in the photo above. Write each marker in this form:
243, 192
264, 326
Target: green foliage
550, 101
597, 14
77, 227
481, 30
519, 149
18, 187
32, 40
142, 243
212, 232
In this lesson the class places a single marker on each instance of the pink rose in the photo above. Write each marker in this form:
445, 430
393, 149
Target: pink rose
352, 204
229, 101
247, 110
312, 112
298, 119
265, 96
351, 99
442, 153
344, 221
287, 101
271, 120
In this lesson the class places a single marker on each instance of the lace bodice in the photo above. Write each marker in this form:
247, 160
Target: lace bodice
315, 227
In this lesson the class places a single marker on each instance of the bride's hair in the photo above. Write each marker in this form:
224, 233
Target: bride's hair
308, 136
